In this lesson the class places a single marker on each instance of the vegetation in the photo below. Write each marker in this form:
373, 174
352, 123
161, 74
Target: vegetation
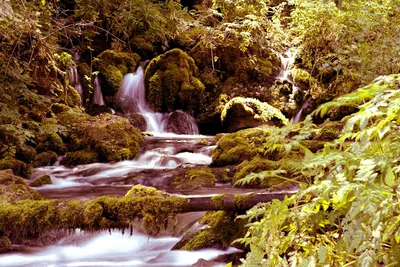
220, 61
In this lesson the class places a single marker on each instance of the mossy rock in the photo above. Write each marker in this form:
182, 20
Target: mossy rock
195, 178
70, 96
113, 138
18, 167
5, 244
240, 113
143, 191
26, 153
112, 67
14, 188
50, 142
217, 230
45, 159
57, 108
236, 147
40, 181
142, 46
255, 165
172, 83
80, 157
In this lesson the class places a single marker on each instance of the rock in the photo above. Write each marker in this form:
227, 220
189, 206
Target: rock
172, 83
80, 157
240, 113
195, 178
14, 188
5, 244
112, 67
215, 230
138, 121
180, 122
40, 181
50, 142
26, 154
45, 159
18, 167
112, 137
236, 147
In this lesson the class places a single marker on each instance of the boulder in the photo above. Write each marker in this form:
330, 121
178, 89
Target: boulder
18, 167
180, 122
172, 83
240, 113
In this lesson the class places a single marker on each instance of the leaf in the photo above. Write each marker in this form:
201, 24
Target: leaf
390, 178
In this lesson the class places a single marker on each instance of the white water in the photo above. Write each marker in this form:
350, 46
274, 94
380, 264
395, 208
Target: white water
75, 79
133, 92
98, 95
115, 249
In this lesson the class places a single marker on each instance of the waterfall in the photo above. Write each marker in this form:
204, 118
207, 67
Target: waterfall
133, 99
299, 115
98, 95
74, 79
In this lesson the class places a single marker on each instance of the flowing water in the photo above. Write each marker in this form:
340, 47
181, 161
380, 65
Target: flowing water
97, 95
133, 99
166, 155
75, 80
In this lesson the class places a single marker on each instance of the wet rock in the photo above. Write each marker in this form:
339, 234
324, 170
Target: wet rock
14, 188
40, 181
240, 113
138, 121
180, 122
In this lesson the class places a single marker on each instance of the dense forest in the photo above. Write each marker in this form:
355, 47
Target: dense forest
297, 95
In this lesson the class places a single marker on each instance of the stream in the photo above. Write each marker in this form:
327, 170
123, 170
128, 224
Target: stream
165, 155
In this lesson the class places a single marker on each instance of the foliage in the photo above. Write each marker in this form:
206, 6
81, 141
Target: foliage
349, 215
347, 47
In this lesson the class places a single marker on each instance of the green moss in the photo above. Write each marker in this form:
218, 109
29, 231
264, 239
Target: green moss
237, 147
242, 112
142, 46
5, 244
40, 181
50, 142
26, 154
195, 178
45, 159
14, 188
113, 138
219, 232
255, 165
112, 66
313, 145
172, 83
18, 167
80, 157
218, 201
142, 191
241, 201
330, 131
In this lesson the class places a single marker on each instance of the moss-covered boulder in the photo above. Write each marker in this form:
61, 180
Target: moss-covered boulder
5, 244
195, 178
255, 165
26, 153
112, 137
18, 167
172, 83
236, 147
45, 159
112, 67
80, 157
40, 181
50, 142
216, 230
14, 188
240, 113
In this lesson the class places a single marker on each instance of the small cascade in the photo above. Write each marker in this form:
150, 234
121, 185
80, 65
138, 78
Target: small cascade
74, 79
133, 99
98, 95
299, 115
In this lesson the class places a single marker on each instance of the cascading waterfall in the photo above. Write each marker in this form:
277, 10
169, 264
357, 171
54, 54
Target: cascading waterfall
285, 75
133, 98
98, 95
75, 79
